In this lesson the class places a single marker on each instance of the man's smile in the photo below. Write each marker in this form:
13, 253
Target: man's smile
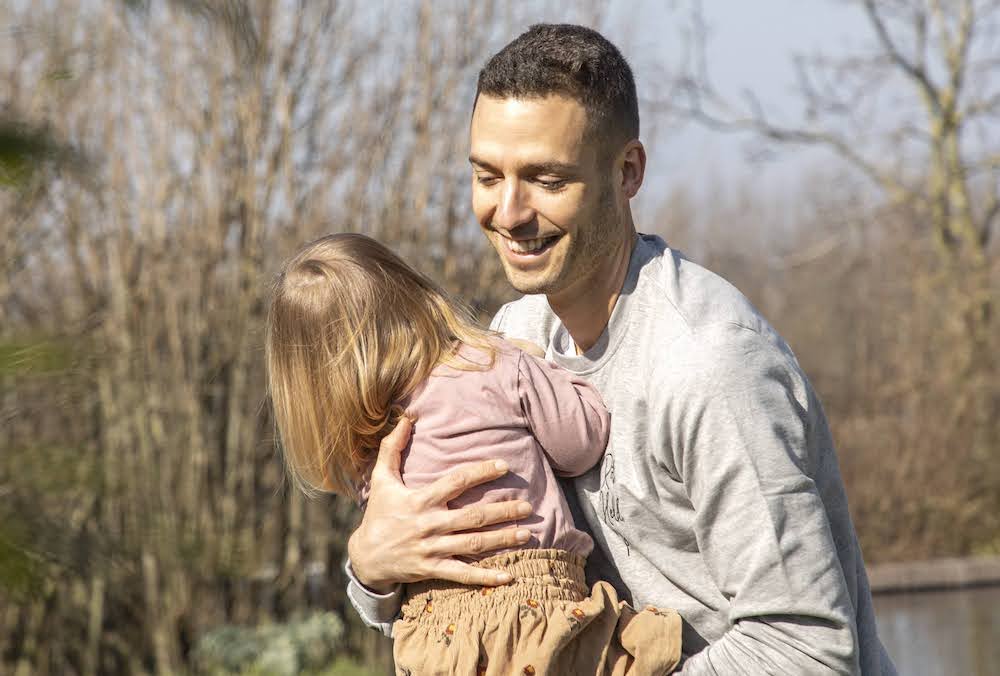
530, 246
527, 250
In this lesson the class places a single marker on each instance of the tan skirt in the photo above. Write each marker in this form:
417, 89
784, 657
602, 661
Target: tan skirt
543, 622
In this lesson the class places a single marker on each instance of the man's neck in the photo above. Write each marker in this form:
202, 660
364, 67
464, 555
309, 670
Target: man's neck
585, 307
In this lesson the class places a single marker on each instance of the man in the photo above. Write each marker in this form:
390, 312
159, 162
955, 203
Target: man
719, 494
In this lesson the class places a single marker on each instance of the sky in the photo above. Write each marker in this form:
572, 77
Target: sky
752, 46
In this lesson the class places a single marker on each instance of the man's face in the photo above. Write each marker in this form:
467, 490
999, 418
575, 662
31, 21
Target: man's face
541, 190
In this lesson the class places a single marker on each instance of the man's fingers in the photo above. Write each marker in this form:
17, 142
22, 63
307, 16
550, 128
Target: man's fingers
478, 516
456, 571
390, 450
457, 481
477, 544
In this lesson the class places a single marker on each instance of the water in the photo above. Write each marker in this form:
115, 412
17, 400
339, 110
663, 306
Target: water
948, 632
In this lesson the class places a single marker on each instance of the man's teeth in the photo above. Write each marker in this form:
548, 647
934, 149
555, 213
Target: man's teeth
527, 245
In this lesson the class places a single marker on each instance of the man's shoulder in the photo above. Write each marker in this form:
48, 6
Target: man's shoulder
527, 318
709, 326
681, 291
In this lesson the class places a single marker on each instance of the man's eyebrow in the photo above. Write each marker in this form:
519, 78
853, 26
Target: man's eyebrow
481, 163
530, 169
549, 168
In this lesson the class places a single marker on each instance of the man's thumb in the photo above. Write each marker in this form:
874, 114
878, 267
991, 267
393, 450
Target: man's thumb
390, 451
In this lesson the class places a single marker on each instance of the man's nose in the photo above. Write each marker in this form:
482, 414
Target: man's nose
514, 209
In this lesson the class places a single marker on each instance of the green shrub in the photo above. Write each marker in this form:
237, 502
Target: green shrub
300, 647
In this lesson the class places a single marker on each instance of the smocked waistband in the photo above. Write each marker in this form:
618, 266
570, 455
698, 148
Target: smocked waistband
539, 575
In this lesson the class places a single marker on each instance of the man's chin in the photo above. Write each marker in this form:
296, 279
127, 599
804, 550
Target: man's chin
544, 279
530, 284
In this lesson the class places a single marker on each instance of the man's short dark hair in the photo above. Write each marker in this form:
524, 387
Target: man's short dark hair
573, 61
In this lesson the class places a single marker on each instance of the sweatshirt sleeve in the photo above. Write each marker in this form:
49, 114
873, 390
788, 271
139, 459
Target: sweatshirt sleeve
565, 414
742, 438
377, 611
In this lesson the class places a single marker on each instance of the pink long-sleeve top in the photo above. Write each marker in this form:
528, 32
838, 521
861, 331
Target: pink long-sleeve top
541, 419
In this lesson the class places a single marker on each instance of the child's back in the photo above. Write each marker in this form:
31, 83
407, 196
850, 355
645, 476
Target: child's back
540, 419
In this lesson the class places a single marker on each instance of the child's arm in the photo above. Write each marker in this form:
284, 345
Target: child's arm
565, 414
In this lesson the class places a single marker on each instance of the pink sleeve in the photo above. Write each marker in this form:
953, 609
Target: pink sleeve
565, 414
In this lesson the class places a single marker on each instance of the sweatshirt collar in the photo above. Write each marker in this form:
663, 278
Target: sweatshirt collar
562, 349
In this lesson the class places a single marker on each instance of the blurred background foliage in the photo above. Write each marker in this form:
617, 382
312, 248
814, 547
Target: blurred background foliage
159, 159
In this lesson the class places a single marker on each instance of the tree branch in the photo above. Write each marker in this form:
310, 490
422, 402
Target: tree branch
916, 71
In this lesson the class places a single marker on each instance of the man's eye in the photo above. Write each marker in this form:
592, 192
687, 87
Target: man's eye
551, 183
486, 179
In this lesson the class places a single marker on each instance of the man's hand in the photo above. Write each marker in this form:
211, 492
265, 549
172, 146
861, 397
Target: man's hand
410, 534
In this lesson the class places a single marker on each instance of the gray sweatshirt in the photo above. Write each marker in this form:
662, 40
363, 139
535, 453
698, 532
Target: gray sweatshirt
719, 494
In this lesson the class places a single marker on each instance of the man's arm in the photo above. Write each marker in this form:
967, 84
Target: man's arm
377, 611
744, 442
411, 534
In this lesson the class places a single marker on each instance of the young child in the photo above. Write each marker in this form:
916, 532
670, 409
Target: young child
355, 338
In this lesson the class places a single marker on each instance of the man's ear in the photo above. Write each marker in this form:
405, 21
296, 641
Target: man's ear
633, 164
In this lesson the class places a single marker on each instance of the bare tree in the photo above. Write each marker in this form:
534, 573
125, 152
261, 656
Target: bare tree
912, 112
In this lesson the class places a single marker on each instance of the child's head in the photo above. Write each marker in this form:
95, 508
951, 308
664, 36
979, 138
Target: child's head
351, 329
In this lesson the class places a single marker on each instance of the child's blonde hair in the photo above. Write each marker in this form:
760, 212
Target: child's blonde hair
351, 330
